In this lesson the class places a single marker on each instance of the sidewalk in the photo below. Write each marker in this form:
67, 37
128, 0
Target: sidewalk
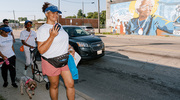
11, 93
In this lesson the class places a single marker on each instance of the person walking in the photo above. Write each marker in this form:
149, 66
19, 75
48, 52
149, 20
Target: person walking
6, 22
7, 56
53, 42
28, 39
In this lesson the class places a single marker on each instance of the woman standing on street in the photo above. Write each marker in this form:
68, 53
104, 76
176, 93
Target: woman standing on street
7, 55
28, 39
53, 42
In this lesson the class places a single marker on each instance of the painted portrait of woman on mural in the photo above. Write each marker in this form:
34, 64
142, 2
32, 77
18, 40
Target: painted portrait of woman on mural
147, 23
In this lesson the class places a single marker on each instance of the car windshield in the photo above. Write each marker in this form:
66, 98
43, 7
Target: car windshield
89, 27
75, 31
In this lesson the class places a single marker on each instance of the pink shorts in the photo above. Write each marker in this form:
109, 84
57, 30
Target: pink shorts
50, 70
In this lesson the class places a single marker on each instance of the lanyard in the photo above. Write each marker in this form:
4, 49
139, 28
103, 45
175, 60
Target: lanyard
143, 23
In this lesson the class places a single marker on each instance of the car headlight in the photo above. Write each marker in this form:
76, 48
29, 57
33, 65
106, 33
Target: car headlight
82, 44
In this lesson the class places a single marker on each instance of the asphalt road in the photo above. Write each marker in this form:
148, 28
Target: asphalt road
102, 78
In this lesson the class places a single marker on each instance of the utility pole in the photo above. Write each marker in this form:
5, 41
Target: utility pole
14, 18
83, 12
14, 15
59, 9
98, 16
34, 17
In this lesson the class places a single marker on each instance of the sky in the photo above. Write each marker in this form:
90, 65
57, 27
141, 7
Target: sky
32, 9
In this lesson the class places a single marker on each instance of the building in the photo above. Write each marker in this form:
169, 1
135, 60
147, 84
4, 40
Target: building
124, 10
72, 21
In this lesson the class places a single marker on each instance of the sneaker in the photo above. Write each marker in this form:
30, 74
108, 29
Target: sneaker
14, 85
5, 84
47, 85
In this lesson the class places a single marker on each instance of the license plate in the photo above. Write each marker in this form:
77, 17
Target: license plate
99, 52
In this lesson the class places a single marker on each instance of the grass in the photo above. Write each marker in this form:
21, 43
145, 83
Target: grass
167, 36
2, 98
108, 33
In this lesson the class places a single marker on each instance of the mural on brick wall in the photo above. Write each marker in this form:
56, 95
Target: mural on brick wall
146, 17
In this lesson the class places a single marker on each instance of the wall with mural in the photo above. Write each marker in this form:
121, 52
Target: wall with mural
145, 17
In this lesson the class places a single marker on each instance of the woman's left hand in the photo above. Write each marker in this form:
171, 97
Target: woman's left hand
71, 50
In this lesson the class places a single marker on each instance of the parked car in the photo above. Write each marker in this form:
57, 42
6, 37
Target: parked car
176, 24
88, 46
89, 29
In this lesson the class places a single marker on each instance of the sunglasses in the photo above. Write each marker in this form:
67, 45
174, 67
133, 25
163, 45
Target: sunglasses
6, 22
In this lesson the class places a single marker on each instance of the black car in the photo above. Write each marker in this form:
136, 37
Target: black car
86, 45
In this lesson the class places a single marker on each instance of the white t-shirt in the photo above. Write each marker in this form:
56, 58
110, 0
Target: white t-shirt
59, 45
6, 46
31, 40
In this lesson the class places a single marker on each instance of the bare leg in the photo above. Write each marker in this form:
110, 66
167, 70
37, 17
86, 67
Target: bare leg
69, 83
53, 90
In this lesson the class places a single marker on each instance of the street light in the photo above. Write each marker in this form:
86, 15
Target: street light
83, 10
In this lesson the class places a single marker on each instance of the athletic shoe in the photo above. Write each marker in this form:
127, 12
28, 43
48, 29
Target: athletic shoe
5, 84
14, 85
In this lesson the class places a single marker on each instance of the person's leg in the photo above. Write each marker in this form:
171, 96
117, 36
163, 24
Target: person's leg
31, 62
32, 69
12, 70
27, 55
69, 83
4, 70
53, 90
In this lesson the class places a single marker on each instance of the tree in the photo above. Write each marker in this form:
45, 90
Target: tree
22, 18
12, 21
80, 14
71, 16
40, 20
89, 15
103, 17
95, 15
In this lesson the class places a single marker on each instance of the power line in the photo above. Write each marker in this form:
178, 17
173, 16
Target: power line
89, 2
20, 11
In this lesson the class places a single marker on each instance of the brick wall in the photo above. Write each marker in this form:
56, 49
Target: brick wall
79, 22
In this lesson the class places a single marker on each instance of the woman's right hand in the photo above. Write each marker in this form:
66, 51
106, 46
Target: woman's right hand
4, 57
54, 31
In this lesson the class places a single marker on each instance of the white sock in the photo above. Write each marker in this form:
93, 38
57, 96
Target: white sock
25, 72
46, 80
